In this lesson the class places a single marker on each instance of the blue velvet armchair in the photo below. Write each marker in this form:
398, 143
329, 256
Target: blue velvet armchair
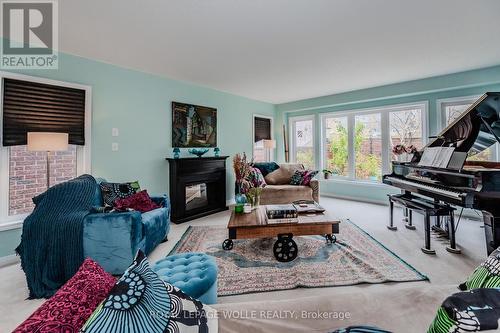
112, 239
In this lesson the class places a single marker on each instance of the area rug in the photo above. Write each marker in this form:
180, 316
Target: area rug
250, 266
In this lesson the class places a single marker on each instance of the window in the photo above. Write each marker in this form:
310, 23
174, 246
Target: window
336, 155
23, 173
452, 109
368, 146
406, 128
357, 144
262, 130
302, 141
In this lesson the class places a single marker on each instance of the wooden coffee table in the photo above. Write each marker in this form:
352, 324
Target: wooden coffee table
254, 225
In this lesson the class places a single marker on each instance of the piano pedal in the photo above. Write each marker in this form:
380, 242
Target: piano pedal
455, 250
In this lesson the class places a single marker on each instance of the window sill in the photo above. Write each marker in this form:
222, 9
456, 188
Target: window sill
356, 182
11, 225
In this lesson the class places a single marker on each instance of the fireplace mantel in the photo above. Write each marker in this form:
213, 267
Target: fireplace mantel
197, 187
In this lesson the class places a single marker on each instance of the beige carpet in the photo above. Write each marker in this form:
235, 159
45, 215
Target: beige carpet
444, 271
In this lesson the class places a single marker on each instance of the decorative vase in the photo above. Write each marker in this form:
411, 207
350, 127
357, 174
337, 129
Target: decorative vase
216, 152
198, 152
177, 153
254, 200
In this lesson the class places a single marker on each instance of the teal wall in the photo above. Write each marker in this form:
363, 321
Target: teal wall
139, 105
468, 83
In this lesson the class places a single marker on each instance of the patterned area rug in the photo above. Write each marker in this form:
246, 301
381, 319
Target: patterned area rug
251, 267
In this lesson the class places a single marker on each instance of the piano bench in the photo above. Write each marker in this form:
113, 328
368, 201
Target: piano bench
429, 209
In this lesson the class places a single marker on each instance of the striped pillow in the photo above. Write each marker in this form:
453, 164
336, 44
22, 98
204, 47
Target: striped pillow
485, 276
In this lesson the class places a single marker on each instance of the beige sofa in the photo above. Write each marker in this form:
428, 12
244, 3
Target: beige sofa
279, 191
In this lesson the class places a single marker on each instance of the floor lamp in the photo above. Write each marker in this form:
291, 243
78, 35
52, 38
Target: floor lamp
47, 141
268, 145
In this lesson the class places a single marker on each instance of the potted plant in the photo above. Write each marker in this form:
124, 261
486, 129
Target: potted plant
326, 173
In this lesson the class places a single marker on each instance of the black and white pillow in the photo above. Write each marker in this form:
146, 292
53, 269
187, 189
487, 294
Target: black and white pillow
112, 191
142, 302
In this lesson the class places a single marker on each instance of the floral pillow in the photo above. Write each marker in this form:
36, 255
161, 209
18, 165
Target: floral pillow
72, 305
303, 177
142, 302
112, 191
487, 275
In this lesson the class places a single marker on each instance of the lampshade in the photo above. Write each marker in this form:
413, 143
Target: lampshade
269, 144
47, 141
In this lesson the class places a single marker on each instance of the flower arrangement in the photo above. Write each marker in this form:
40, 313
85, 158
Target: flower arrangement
402, 149
242, 172
249, 181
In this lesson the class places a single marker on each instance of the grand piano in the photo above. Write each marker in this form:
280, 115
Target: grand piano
470, 184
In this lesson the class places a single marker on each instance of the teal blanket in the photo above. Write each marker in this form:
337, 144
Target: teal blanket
51, 246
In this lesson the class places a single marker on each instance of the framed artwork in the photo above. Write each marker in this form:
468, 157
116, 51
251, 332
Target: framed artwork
193, 125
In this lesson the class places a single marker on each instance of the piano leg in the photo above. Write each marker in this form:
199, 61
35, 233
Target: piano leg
410, 225
427, 234
391, 214
491, 230
451, 229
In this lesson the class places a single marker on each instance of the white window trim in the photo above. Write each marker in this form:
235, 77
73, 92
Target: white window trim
441, 114
292, 143
384, 119
255, 115
83, 153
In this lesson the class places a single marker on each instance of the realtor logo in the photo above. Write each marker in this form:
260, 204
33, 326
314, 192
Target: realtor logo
29, 31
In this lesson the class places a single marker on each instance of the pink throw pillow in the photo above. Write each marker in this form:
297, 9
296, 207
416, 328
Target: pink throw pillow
139, 201
72, 305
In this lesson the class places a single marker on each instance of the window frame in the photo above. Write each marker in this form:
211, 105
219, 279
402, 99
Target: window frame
255, 115
292, 142
83, 153
385, 134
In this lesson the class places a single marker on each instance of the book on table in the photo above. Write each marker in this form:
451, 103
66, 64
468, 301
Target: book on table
281, 212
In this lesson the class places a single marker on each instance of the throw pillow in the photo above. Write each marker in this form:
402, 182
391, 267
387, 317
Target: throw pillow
283, 175
302, 177
73, 304
139, 201
112, 191
142, 302
470, 311
266, 167
255, 178
487, 275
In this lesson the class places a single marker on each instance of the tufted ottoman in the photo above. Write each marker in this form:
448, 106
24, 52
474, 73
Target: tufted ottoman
193, 273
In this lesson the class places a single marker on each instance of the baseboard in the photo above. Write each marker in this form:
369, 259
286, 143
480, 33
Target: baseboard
9, 260
346, 197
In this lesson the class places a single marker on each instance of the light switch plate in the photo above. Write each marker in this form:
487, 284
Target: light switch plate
114, 146
115, 132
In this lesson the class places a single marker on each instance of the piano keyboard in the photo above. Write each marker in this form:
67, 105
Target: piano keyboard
427, 187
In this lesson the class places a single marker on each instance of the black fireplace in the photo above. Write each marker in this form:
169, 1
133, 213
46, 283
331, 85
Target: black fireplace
197, 187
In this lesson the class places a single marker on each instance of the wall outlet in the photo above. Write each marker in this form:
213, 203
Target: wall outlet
114, 146
115, 132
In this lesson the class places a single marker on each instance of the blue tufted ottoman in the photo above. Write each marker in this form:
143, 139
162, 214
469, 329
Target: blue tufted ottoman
193, 273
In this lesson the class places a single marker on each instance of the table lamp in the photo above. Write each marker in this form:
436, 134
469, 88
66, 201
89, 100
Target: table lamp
47, 141
268, 145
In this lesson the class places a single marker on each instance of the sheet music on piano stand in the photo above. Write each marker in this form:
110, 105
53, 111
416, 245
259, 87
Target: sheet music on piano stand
437, 157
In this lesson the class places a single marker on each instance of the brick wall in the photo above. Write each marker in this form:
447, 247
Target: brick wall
28, 175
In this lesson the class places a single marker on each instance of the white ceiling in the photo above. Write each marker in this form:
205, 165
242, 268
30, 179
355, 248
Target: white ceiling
285, 50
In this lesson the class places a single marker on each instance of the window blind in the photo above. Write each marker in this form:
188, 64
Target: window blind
38, 107
262, 129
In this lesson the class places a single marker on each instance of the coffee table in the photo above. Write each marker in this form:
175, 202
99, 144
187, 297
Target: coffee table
254, 225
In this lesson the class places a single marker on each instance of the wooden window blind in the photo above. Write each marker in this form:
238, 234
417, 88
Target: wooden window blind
38, 107
262, 129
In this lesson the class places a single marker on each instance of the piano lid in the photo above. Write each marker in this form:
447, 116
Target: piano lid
476, 129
